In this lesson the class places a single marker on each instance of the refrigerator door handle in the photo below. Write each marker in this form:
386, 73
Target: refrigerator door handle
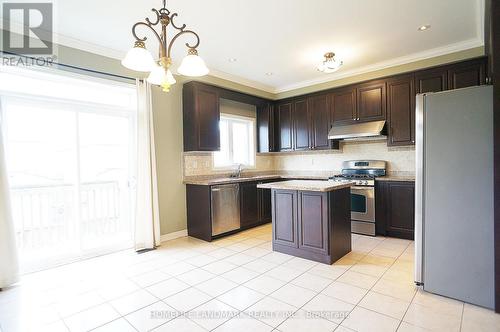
419, 189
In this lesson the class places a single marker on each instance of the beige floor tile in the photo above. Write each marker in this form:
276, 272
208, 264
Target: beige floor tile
369, 269
219, 267
180, 324
399, 276
293, 295
178, 268
378, 260
385, 304
299, 264
271, 311
150, 278
304, 321
358, 279
151, 316
195, 277
240, 275
362, 320
201, 260
405, 327
277, 257
132, 302
187, 299
329, 308
476, 319
119, 325
239, 259
283, 273
345, 292
216, 286
311, 281
212, 314
439, 304
264, 284
331, 272
241, 297
402, 291
221, 253
91, 318
428, 318
260, 265
167, 288
244, 323
78, 303
256, 252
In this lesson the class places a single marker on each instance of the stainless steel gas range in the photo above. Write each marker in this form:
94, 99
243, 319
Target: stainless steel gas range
363, 173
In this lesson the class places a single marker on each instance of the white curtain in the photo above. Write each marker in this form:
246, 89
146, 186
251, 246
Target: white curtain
8, 254
147, 215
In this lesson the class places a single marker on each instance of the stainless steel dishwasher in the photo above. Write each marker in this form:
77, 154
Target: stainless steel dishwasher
225, 204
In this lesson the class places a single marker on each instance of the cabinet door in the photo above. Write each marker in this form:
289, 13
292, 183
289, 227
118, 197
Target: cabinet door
313, 221
467, 74
371, 101
301, 125
401, 110
265, 207
208, 116
285, 127
433, 80
343, 105
285, 217
265, 125
400, 200
320, 121
249, 204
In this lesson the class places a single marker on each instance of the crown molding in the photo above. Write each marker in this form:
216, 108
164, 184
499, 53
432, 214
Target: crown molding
461, 46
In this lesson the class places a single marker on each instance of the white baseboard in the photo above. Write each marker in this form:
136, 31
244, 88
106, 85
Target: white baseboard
173, 235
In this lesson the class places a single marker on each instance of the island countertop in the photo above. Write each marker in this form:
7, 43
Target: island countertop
306, 185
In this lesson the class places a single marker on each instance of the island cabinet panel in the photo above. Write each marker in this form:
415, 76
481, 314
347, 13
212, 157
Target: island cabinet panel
343, 105
249, 204
466, 74
285, 218
395, 206
313, 221
312, 225
201, 117
285, 126
301, 125
320, 121
371, 101
401, 110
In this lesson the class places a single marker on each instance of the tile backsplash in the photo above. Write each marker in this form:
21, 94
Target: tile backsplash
401, 160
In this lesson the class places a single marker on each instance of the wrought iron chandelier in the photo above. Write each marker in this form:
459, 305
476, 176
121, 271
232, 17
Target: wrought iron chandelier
140, 59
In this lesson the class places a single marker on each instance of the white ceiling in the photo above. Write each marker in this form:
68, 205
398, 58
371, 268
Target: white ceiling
285, 37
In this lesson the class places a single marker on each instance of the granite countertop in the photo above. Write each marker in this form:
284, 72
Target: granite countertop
396, 178
248, 178
306, 185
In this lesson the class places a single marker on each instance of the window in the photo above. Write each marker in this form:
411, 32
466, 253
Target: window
237, 141
70, 153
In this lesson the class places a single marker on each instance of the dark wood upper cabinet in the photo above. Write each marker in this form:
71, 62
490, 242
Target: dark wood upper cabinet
343, 105
401, 110
301, 125
395, 206
432, 80
265, 128
249, 204
201, 117
466, 74
320, 121
371, 102
285, 126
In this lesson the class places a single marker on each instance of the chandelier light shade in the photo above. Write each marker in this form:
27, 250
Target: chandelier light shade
329, 65
140, 59
193, 65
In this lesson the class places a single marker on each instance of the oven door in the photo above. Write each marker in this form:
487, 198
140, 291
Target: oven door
363, 204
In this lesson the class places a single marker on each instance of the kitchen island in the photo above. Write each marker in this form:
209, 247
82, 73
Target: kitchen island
311, 219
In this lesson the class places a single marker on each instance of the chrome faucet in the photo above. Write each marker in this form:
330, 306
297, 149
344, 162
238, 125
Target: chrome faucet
237, 173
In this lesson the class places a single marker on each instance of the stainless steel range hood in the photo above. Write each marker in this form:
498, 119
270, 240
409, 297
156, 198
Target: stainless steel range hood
362, 130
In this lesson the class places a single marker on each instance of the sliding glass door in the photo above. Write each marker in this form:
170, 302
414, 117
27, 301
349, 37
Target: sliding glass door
71, 171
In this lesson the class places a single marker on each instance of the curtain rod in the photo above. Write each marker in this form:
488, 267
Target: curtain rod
75, 67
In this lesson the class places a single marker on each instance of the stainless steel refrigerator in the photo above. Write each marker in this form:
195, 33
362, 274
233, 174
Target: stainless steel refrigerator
454, 249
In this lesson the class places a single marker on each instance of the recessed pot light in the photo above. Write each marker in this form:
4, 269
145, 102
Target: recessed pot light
269, 74
424, 27
232, 59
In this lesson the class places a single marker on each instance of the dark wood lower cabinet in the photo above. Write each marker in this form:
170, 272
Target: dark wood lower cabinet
249, 204
312, 225
395, 208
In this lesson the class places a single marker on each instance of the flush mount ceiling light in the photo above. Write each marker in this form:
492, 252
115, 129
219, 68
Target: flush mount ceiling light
329, 65
232, 59
424, 27
140, 59
269, 73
